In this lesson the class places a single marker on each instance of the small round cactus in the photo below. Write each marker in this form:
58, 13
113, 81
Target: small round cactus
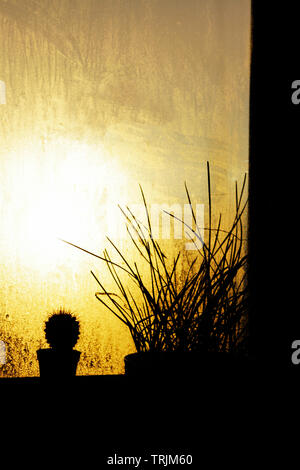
62, 330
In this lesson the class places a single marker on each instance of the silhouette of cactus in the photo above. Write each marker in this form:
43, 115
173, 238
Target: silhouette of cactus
62, 330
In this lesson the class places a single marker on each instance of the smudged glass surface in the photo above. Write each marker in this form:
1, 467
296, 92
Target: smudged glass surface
101, 96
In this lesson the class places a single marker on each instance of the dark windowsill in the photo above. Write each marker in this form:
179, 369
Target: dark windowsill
78, 379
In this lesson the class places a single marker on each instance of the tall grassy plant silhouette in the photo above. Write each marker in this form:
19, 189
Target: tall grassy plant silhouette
203, 310
216, 314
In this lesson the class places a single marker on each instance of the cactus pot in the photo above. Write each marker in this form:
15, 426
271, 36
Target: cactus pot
58, 364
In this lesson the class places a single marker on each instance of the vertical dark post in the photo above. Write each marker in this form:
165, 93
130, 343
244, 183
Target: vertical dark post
257, 88
274, 184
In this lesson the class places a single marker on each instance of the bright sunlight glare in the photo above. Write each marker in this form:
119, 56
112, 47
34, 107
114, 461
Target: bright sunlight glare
67, 194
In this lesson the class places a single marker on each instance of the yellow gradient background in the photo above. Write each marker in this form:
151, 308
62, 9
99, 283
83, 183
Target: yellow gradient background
101, 96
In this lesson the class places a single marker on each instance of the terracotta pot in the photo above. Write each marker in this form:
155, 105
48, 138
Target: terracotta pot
57, 364
167, 364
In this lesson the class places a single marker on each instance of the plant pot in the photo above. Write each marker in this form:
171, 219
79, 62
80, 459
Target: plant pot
57, 364
180, 364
